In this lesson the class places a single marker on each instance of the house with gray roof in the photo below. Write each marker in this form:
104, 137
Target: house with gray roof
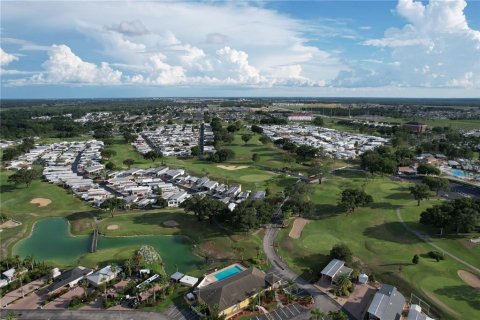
335, 269
387, 304
233, 294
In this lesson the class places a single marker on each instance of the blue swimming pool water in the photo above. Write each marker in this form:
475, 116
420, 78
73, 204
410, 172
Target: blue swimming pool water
227, 273
458, 173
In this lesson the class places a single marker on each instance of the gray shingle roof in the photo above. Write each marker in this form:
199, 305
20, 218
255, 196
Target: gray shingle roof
235, 289
387, 303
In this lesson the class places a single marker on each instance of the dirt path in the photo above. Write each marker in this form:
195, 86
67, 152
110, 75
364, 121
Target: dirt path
297, 227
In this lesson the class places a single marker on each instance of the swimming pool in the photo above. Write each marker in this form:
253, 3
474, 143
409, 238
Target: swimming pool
227, 273
458, 173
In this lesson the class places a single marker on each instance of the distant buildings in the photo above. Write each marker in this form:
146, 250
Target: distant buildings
338, 144
414, 126
300, 117
171, 140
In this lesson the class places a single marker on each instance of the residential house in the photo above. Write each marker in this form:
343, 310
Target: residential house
176, 199
103, 275
234, 294
387, 304
69, 278
334, 269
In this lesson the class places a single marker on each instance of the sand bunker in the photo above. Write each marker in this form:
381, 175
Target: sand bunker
42, 202
231, 168
469, 278
297, 228
9, 224
170, 223
112, 227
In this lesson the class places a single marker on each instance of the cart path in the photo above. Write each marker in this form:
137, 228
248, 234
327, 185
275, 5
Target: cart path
424, 237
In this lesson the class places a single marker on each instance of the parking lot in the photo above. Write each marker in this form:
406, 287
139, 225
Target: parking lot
286, 313
457, 189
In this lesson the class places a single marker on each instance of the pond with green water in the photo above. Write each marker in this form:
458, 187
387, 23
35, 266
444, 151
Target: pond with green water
51, 241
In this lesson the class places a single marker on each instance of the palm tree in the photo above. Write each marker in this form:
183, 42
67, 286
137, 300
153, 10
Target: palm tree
84, 284
17, 261
343, 282
28, 261
114, 268
147, 286
317, 314
128, 264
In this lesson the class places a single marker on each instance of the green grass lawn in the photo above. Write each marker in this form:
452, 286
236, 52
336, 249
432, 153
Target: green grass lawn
378, 239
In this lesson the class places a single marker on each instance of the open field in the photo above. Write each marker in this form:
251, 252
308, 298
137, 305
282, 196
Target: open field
379, 240
456, 124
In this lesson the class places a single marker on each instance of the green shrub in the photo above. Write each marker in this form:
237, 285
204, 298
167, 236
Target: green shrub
436, 255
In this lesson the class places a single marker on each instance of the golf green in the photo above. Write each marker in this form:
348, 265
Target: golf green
255, 177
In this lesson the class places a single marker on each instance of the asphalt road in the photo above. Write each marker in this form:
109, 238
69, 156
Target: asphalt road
457, 189
322, 301
82, 315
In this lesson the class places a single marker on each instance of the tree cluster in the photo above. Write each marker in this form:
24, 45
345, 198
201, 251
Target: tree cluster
298, 202
250, 214
257, 129
25, 176
273, 120
354, 198
382, 160
13, 152
459, 215
221, 155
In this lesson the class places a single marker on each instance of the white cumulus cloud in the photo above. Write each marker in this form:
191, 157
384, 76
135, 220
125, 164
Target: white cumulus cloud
63, 66
436, 48
6, 58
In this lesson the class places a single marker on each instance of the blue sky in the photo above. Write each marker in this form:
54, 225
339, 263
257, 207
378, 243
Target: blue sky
404, 48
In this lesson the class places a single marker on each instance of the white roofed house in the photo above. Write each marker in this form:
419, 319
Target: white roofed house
174, 173
233, 190
95, 169
103, 275
176, 199
139, 190
210, 185
334, 269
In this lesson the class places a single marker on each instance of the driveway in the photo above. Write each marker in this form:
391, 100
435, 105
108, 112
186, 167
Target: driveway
321, 300
63, 301
22, 291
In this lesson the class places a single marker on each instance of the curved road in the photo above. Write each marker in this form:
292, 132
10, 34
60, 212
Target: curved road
322, 301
